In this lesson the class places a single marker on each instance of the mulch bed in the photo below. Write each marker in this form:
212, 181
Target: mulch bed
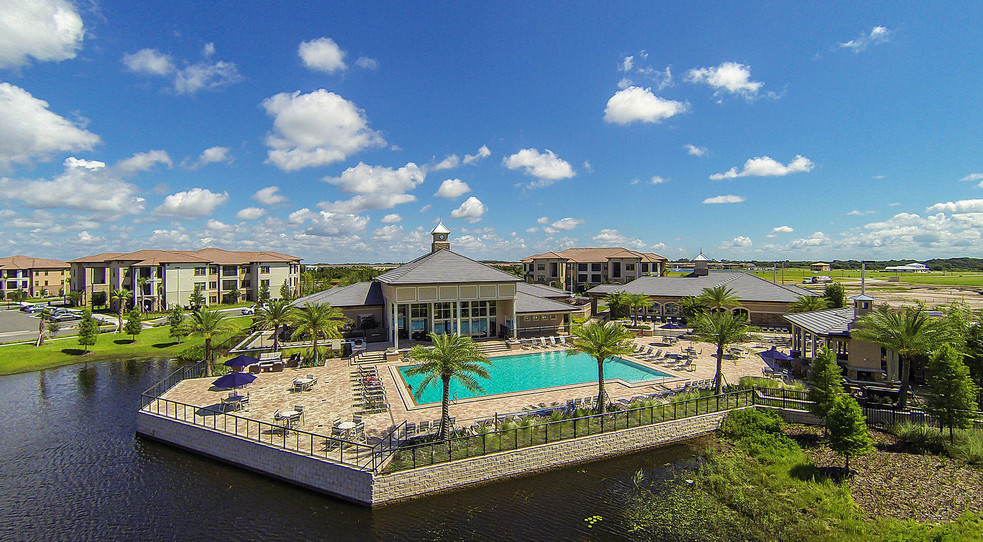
894, 482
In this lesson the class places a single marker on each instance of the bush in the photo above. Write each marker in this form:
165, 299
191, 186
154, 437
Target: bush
193, 353
921, 438
968, 446
750, 422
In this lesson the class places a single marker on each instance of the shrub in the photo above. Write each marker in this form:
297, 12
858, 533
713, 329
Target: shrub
967, 447
921, 438
749, 422
192, 353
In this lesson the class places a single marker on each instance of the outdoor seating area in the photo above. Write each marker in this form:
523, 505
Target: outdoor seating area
367, 389
304, 383
553, 341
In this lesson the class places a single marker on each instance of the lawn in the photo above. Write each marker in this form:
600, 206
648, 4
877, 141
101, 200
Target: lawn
794, 275
150, 343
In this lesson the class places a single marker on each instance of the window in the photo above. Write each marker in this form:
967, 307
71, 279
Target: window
629, 267
265, 269
246, 283
581, 278
212, 285
212, 269
645, 268
229, 284
616, 269
595, 278
229, 270
419, 310
595, 267
541, 267
199, 271
199, 285
212, 299
264, 283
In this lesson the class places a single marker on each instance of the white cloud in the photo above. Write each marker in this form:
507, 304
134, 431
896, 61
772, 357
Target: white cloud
609, 236
452, 188
46, 30
323, 55
391, 219
315, 129
250, 213
877, 36
564, 224
782, 229
483, 152
639, 104
213, 155
269, 196
472, 209
658, 180
375, 187
725, 199
328, 224
765, 166
729, 76
546, 167
543, 220
974, 177
367, 63
626, 64
205, 74
450, 162
143, 161
85, 185
149, 62
425, 208
694, 150
218, 225
300, 216
738, 242
388, 233
858, 212
30, 131
532, 229
197, 202
961, 206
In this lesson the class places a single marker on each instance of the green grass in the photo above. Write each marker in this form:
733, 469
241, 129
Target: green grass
151, 343
794, 275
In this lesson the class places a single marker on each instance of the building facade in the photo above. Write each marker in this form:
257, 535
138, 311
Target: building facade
578, 269
39, 277
163, 279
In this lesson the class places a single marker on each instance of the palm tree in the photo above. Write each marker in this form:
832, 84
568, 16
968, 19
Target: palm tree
318, 320
160, 297
637, 302
721, 328
615, 301
808, 303
119, 297
909, 333
452, 357
719, 298
141, 285
601, 342
207, 324
275, 314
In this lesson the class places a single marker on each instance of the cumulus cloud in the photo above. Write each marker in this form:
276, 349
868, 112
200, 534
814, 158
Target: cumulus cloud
143, 161
639, 104
250, 213
738, 242
45, 30
658, 180
328, 224
483, 152
693, 150
300, 216
29, 131
388, 233
367, 63
472, 209
613, 237
452, 161
765, 166
974, 177
877, 36
206, 74
197, 202
269, 196
452, 188
391, 219
858, 212
375, 187
729, 76
725, 199
85, 185
782, 229
315, 129
564, 224
323, 55
961, 206
546, 167
213, 155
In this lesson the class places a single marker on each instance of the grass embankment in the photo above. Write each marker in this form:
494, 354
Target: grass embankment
759, 484
153, 342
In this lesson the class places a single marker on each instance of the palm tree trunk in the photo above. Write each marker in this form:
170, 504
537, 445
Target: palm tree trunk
208, 356
314, 335
276, 338
601, 403
905, 377
848, 465
719, 380
119, 315
445, 410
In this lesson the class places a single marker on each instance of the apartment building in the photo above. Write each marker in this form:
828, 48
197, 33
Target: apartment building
579, 269
161, 279
38, 276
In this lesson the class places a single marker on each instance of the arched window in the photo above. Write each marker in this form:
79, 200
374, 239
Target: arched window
741, 311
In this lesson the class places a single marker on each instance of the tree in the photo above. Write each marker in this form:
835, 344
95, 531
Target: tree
197, 298
134, 323
73, 298
692, 307
264, 293
53, 328
848, 433
317, 320
207, 324
601, 342
721, 329
719, 298
285, 292
453, 357
808, 303
160, 297
175, 320
825, 383
910, 332
118, 297
141, 286
951, 391
974, 357
99, 299
233, 295
835, 295
88, 330
275, 314
43, 318
637, 302
617, 303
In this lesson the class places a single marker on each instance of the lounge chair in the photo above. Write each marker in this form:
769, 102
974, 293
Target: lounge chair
563, 340
424, 427
553, 341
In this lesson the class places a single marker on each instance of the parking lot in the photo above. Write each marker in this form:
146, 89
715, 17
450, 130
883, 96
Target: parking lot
16, 325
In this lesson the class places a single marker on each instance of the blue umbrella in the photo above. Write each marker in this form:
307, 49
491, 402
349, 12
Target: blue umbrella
241, 361
775, 354
671, 325
233, 380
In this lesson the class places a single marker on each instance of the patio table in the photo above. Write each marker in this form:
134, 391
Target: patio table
346, 428
303, 383
233, 402
291, 416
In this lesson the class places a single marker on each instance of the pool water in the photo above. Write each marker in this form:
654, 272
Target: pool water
535, 371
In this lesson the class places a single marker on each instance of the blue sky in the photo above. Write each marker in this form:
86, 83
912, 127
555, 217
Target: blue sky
342, 133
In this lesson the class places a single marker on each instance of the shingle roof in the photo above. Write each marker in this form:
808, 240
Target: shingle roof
29, 262
206, 255
827, 322
97, 258
444, 267
355, 295
597, 255
746, 287
541, 290
528, 303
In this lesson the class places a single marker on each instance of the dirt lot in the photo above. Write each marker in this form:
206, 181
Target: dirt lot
895, 294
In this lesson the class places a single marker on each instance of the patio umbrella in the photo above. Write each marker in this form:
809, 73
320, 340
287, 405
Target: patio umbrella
671, 325
233, 380
241, 361
775, 354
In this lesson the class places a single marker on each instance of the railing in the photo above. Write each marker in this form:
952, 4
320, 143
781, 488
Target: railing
194, 370
543, 431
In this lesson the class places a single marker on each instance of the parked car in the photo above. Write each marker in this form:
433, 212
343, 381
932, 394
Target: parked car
253, 308
31, 309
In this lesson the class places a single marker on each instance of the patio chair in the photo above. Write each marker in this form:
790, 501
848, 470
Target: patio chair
553, 341
563, 340
424, 427
300, 408
410, 429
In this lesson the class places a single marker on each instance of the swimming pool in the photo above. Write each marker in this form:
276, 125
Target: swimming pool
534, 371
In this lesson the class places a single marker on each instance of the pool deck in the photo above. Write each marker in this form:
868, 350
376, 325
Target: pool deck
333, 398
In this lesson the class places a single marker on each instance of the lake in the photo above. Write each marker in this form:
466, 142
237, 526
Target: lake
73, 469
